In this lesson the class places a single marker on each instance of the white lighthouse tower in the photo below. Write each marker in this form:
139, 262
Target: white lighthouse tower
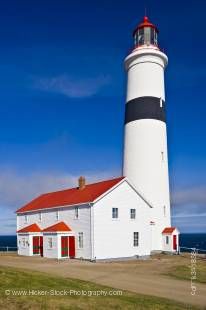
145, 145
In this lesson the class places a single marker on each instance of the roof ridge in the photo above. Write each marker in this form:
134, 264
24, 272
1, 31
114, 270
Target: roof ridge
33, 225
70, 196
66, 189
61, 225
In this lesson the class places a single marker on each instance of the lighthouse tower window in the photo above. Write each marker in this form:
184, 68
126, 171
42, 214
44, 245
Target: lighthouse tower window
164, 210
146, 36
139, 37
153, 37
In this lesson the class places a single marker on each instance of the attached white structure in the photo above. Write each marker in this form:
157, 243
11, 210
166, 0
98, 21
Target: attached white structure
123, 217
170, 239
29, 240
58, 241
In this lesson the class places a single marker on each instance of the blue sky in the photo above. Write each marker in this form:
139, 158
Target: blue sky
62, 93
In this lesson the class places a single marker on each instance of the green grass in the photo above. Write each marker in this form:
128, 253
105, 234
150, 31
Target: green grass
183, 272
17, 279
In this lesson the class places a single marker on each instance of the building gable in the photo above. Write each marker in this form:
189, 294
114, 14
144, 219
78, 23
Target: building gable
119, 184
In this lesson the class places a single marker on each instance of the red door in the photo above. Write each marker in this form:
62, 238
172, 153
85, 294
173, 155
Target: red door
35, 245
174, 242
64, 244
71, 247
41, 245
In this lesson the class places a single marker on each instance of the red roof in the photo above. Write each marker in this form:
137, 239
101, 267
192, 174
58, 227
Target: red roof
72, 196
30, 228
145, 23
61, 226
168, 230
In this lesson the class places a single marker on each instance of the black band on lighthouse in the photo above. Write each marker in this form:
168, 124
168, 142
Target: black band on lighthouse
145, 108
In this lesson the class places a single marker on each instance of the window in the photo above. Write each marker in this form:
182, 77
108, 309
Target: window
155, 37
80, 240
161, 103
162, 156
164, 210
76, 213
146, 35
135, 239
23, 242
115, 213
50, 243
40, 216
26, 218
140, 39
132, 214
57, 215
167, 239
147, 32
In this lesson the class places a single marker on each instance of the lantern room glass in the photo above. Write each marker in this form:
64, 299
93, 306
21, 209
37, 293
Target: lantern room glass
146, 36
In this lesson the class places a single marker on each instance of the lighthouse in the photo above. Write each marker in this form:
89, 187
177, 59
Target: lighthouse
145, 161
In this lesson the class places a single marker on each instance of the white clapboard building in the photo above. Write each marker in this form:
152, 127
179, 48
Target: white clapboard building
124, 217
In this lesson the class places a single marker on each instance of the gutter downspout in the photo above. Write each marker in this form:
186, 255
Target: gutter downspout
92, 230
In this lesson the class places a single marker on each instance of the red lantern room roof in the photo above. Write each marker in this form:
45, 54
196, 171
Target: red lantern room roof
145, 23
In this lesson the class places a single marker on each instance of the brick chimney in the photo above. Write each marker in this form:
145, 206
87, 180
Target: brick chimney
82, 183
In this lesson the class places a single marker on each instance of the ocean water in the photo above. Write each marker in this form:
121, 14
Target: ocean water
9, 241
197, 241
186, 240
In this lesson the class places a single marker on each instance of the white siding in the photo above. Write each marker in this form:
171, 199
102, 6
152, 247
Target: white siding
67, 215
169, 247
55, 251
50, 252
26, 250
113, 238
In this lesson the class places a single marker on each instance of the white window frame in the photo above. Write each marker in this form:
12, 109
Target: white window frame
164, 211
26, 218
115, 213
23, 242
57, 215
147, 36
80, 240
76, 213
162, 156
40, 216
132, 214
135, 238
50, 243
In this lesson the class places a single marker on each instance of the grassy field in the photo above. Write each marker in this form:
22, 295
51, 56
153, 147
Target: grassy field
16, 279
183, 272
